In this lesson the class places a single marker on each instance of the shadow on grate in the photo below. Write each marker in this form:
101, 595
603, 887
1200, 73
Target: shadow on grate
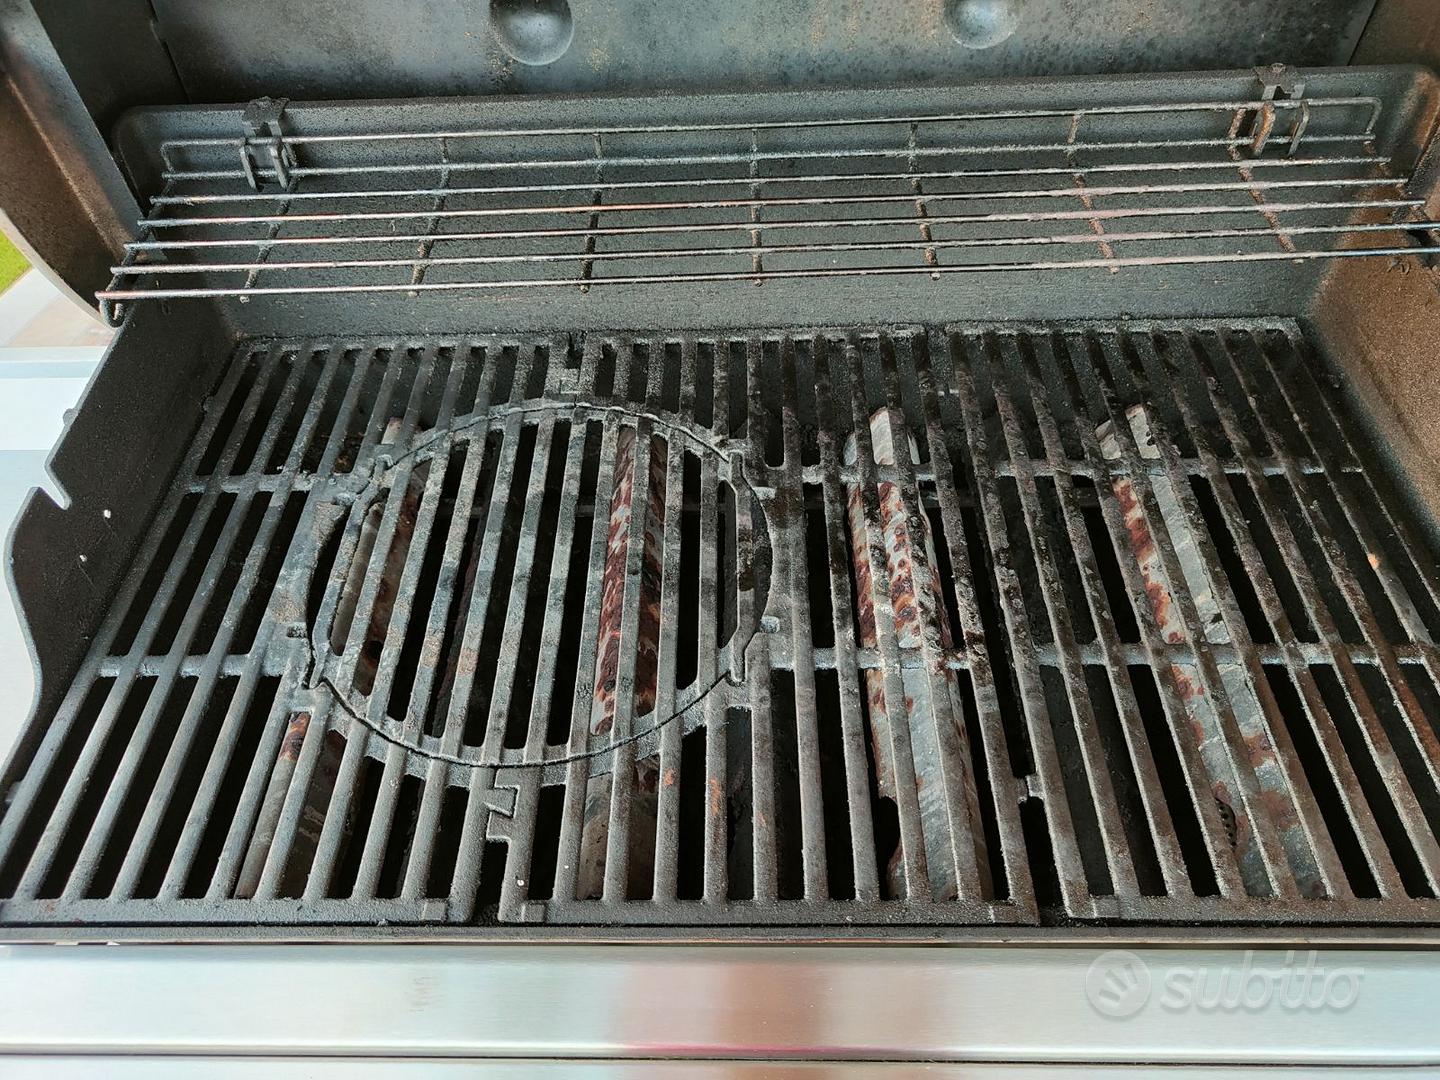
884, 628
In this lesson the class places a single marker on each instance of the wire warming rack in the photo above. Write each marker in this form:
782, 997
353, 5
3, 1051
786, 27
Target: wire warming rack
277, 212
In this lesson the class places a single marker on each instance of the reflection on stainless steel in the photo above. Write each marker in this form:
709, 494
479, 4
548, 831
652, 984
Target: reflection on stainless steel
775, 1002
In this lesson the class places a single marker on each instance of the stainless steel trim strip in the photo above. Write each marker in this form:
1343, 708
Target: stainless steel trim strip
759, 1003
242, 1068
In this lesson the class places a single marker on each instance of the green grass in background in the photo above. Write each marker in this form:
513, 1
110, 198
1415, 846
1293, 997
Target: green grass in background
12, 263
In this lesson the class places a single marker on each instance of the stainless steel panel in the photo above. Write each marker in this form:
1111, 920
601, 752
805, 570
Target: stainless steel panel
776, 1004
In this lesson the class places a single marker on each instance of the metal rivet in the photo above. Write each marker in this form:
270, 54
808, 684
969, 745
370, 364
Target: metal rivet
534, 32
981, 24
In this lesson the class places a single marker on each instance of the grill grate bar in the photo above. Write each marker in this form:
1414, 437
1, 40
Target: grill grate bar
1427, 850
656, 558
1220, 855
158, 804
1303, 365
1113, 653
577, 772
633, 807
102, 827
425, 696
1325, 856
664, 883
762, 778
622, 773
716, 877
197, 821
1063, 835
38, 867
382, 817
1120, 864
1219, 773
852, 720
789, 514
1270, 785
671, 770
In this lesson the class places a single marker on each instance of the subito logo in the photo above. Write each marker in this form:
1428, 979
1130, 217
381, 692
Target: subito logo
1117, 984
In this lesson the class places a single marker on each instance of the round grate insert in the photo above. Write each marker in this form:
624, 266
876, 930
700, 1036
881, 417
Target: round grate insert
505, 587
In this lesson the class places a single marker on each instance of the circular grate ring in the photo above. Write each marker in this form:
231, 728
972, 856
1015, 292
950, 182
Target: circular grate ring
506, 586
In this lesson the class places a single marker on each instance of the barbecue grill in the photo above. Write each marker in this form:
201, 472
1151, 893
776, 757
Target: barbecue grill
915, 473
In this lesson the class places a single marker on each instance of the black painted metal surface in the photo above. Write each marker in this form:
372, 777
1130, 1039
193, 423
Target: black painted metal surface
60, 188
236, 750
373, 49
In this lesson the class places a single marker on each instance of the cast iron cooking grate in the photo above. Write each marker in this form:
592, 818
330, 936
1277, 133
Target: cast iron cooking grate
910, 627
